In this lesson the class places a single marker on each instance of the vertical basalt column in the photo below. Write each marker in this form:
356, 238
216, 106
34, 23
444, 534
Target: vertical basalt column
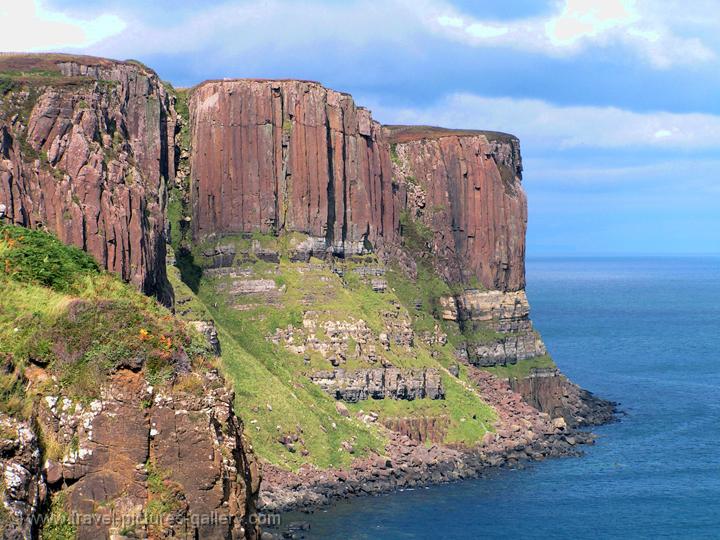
466, 188
275, 156
91, 162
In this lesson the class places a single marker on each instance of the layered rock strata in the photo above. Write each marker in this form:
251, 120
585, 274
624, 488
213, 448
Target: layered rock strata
381, 383
289, 156
86, 153
507, 314
548, 390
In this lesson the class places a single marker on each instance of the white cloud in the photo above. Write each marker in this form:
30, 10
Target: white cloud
545, 125
235, 27
581, 19
29, 26
663, 33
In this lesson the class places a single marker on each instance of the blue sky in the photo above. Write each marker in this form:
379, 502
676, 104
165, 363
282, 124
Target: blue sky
616, 102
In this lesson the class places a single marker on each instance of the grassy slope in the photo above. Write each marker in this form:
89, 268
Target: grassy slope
57, 310
267, 374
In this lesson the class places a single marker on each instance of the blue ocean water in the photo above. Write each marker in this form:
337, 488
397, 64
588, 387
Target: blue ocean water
644, 332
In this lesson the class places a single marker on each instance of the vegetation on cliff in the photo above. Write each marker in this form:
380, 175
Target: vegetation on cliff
61, 315
272, 383
98, 369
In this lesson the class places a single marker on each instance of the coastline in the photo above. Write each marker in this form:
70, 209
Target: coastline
522, 434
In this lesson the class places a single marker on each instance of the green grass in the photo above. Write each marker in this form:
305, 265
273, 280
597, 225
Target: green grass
17, 79
163, 495
58, 525
266, 374
469, 417
61, 312
393, 154
523, 368
187, 305
36, 257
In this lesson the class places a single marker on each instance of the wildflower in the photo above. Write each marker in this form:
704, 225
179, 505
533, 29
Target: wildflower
166, 342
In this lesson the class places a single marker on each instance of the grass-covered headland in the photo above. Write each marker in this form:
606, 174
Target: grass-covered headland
62, 316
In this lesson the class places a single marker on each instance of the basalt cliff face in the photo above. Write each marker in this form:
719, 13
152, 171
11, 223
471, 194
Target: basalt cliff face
274, 156
465, 187
292, 156
87, 146
86, 149
389, 262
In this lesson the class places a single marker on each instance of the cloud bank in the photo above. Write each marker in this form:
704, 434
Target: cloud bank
30, 26
545, 125
651, 29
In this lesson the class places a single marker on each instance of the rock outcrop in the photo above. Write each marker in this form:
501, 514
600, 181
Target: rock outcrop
465, 187
86, 153
381, 383
22, 487
548, 390
506, 314
275, 156
165, 461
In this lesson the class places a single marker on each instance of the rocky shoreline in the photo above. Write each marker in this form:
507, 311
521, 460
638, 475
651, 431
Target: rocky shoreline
522, 434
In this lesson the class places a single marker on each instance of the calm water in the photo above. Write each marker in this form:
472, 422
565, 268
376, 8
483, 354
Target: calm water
644, 332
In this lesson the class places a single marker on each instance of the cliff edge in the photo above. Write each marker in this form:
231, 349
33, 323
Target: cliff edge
86, 151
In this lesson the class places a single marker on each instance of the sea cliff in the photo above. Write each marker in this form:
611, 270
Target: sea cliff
358, 290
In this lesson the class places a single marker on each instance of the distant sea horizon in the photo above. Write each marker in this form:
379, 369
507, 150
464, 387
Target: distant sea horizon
638, 329
619, 255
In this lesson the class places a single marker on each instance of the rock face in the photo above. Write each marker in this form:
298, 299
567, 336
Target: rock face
289, 156
22, 488
548, 390
421, 429
86, 154
466, 188
137, 449
505, 313
207, 329
387, 383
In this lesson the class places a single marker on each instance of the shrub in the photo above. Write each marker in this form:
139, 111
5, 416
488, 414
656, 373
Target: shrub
36, 257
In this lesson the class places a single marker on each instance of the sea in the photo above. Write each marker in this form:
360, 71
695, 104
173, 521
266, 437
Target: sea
644, 332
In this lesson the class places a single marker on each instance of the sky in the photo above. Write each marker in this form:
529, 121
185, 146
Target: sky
616, 102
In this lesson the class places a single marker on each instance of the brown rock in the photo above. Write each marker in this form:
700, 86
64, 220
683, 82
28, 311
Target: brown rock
381, 383
22, 489
289, 155
190, 439
342, 409
466, 187
91, 161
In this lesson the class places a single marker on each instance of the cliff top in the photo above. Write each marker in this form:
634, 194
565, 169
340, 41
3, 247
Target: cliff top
255, 80
48, 63
403, 134
267, 80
